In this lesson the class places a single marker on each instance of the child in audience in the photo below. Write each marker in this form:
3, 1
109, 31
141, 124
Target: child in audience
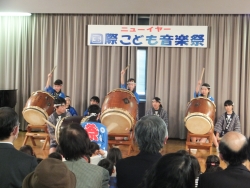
213, 164
114, 155
28, 150
97, 154
55, 155
109, 165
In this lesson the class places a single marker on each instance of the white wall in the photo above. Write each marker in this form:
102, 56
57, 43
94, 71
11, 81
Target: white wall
128, 6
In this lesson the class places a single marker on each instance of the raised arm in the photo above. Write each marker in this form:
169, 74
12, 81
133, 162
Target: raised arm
48, 80
198, 86
122, 77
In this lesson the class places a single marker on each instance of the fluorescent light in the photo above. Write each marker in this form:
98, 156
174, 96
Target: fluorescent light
15, 14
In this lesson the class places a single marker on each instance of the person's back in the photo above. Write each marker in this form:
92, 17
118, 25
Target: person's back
87, 175
233, 150
14, 164
173, 170
131, 170
97, 132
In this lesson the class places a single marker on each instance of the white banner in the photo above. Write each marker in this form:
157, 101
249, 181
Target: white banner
150, 35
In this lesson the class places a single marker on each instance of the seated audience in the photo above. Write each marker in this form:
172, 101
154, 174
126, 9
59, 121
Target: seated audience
196, 165
14, 164
69, 108
96, 153
28, 150
233, 150
56, 155
109, 165
173, 170
213, 164
114, 155
150, 133
50, 173
74, 143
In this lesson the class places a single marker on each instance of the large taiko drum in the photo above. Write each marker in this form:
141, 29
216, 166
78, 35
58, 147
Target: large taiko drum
64, 122
200, 115
38, 107
119, 111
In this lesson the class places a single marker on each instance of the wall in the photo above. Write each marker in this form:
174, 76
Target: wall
128, 6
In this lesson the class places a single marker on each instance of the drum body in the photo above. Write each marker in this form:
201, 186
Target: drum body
64, 122
200, 115
39, 106
119, 111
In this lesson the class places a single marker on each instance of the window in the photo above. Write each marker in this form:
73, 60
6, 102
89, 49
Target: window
141, 72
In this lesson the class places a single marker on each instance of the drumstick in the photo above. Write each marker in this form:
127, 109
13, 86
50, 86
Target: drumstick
202, 73
127, 67
52, 70
49, 123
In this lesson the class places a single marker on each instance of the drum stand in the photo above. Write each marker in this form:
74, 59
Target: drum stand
35, 135
128, 142
195, 145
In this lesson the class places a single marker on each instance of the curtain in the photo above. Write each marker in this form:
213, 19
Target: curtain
175, 71
32, 46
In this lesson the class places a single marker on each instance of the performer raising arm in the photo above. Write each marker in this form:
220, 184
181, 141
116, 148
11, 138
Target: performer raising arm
205, 91
130, 85
56, 90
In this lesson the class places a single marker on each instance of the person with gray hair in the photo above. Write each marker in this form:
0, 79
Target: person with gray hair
150, 133
234, 151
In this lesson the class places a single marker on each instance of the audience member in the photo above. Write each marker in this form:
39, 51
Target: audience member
233, 150
213, 164
173, 170
97, 154
107, 164
28, 150
14, 164
149, 134
74, 143
50, 173
56, 155
114, 155
196, 165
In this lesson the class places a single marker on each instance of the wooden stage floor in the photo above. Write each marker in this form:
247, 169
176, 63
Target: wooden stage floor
172, 145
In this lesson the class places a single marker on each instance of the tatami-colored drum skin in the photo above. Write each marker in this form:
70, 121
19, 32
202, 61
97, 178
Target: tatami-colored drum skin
66, 121
119, 111
200, 115
38, 107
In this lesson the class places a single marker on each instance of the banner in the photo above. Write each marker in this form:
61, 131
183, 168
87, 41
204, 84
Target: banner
147, 35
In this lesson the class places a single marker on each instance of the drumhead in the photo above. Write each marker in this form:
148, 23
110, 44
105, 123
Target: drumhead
198, 124
117, 121
35, 115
